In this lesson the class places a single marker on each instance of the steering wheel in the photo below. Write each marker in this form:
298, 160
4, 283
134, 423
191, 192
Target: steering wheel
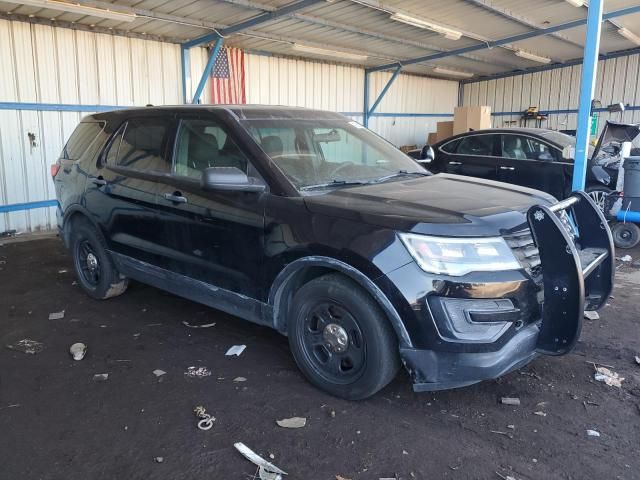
340, 167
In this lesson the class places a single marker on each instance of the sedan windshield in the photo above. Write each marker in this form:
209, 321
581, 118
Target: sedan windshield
317, 154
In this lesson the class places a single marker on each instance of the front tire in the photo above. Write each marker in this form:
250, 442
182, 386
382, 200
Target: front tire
340, 339
96, 273
598, 194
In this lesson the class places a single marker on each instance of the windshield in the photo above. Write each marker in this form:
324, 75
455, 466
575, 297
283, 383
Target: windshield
329, 153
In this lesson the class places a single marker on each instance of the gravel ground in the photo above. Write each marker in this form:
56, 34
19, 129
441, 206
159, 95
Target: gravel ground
57, 422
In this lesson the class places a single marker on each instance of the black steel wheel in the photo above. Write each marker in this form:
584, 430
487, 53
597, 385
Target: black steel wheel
96, 272
625, 235
341, 340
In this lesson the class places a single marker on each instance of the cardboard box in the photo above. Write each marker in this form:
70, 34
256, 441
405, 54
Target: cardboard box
444, 130
407, 148
432, 138
471, 118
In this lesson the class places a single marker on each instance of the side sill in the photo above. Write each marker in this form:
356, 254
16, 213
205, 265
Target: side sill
230, 302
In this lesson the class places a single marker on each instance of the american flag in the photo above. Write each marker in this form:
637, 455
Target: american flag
227, 77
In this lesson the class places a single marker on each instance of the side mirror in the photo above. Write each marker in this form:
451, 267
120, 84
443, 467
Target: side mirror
228, 178
427, 154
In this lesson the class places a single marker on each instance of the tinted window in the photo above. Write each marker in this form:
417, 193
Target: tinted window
202, 144
143, 145
83, 140
521, 147
451, 146
476, 145
111, 156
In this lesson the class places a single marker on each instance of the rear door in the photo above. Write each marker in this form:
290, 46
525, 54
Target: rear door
531, 162
472, 155
212, 236
122, 193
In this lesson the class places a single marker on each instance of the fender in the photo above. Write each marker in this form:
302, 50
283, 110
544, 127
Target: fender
279, 286
69, 211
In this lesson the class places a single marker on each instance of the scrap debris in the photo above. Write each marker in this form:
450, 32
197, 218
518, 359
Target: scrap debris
267, 470
78, 351
235, 350
100, 377
240, 379
206, 422
159, 459
590, 315
609, 377
27, 346
205, 325
56, 315
159, 373
540, 413
510, 401
293, 422
626, 258
593, 433
637, 360
197, 372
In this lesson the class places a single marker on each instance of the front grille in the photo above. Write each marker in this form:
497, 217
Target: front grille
521, 243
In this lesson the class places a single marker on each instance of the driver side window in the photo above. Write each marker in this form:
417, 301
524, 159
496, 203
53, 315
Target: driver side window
203, 143
522, 147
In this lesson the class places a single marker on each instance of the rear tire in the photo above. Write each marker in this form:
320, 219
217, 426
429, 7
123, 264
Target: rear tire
340, 339
96, 272
625, 235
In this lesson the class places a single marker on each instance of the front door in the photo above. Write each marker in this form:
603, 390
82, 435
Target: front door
212, 236
122, 194
529, 162
474, 156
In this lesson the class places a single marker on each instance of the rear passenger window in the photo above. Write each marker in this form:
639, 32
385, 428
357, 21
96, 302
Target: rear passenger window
83, 140
451, 146
143, 146
476, 145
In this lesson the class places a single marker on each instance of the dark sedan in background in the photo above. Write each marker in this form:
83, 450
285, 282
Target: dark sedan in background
531, 157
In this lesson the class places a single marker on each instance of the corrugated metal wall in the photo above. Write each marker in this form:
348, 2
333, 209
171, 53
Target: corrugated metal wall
557, 90
71, 68
284, 81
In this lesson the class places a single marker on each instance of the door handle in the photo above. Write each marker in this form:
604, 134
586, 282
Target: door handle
175, 197
101, 182
455, 163
507, 168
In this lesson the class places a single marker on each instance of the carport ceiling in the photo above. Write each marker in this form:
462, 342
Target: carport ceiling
363, 30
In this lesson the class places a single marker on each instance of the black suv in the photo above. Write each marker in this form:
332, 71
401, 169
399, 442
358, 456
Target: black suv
311, 224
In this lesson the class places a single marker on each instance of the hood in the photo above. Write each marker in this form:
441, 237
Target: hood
443, 204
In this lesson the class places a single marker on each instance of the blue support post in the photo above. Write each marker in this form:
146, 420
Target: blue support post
385, 90
207, 69
587, 87
365, 111
186, 71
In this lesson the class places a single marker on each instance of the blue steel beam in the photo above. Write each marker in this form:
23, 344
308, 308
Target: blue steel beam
587, 87
252, 22
507, 40
186, 71
207, 69
384, 90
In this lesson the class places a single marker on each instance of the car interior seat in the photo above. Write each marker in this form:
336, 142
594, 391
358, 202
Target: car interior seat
512, 148
203, 151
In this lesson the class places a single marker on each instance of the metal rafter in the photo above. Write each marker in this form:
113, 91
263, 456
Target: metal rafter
519, 19
362, 31
514, 38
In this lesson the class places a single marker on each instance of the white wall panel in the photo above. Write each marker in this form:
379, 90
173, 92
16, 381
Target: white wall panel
44, 64
558, 89
281, 81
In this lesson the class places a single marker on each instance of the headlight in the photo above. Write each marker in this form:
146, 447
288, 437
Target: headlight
459, 256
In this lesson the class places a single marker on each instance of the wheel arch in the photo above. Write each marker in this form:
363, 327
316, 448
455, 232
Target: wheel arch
74, 213
302, 270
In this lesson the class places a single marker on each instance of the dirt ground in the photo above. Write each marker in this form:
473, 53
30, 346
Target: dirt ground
56, 422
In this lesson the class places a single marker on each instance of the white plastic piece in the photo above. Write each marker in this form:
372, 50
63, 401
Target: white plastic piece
78, 351
293, 422
235, 350
56, 315
258, 460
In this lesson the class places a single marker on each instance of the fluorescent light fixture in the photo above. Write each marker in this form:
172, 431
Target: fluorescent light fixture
576, 3
532, 56
454, 73
328, 53
629, 35
426, 24
81, 9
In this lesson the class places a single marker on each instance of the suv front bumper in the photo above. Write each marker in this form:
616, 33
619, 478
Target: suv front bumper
577, 275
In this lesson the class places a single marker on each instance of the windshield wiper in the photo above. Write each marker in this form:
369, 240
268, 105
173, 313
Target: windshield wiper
400, 173
333, 183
